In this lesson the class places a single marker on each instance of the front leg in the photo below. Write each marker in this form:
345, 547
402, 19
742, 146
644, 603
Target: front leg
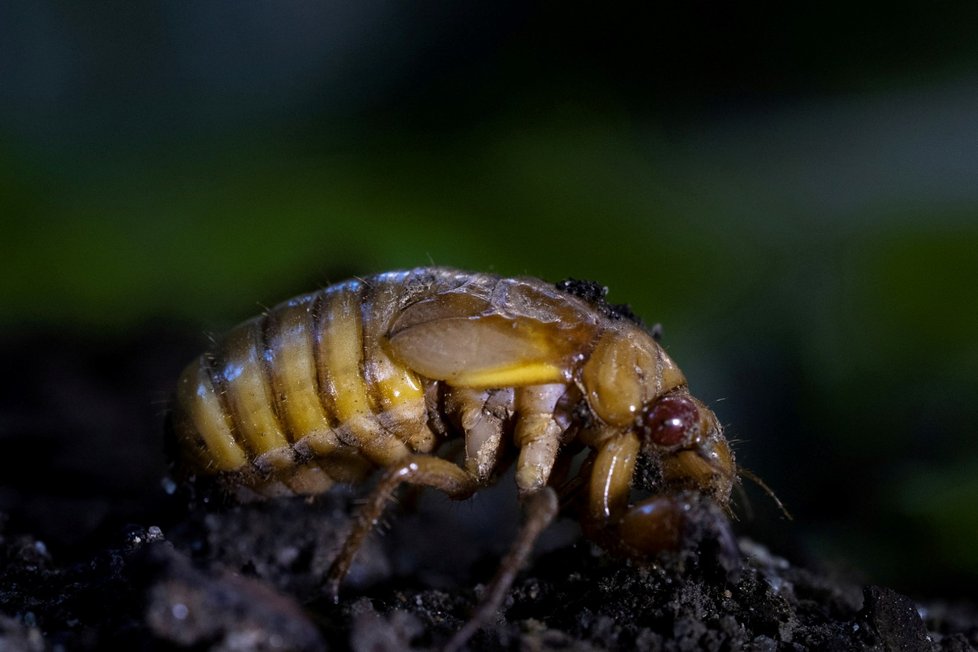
611, 479
642, 530
652, 526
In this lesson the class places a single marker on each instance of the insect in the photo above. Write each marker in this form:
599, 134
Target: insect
378, 373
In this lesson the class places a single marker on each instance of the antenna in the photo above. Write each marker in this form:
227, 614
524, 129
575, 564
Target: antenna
747, 473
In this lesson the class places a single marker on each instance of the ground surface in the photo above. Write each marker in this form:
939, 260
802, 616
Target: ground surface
96, 552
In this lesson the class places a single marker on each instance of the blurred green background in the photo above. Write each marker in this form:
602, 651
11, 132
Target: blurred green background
790, 190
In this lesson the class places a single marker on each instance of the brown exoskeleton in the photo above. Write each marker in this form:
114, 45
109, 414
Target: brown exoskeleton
379, 372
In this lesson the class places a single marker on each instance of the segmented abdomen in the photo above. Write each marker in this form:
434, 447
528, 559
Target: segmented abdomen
306, 394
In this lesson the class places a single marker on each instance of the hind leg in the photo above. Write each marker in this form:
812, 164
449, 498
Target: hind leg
538, 434
421, 470
539, 510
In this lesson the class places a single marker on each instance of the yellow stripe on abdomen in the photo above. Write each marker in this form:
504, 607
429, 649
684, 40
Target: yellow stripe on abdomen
202, 408
397, 392
400, 388
293, 370
248, 396
341, 341
340, 358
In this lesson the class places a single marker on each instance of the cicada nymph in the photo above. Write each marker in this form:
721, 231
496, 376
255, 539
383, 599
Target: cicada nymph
379, 372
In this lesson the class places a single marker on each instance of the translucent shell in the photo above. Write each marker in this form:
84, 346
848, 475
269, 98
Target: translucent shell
511, 334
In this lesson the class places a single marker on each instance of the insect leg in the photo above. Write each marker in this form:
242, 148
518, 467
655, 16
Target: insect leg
539, 510
421, 470
482, 415
610, 483
538, 435
656, 524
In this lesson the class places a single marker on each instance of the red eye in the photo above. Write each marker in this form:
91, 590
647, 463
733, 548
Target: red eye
670, 421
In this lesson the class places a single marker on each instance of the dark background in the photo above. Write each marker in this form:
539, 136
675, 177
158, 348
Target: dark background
790, 189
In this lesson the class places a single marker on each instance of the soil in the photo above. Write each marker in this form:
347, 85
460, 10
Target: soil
96, 552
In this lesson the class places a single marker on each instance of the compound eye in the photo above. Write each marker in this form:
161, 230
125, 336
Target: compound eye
670, 421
